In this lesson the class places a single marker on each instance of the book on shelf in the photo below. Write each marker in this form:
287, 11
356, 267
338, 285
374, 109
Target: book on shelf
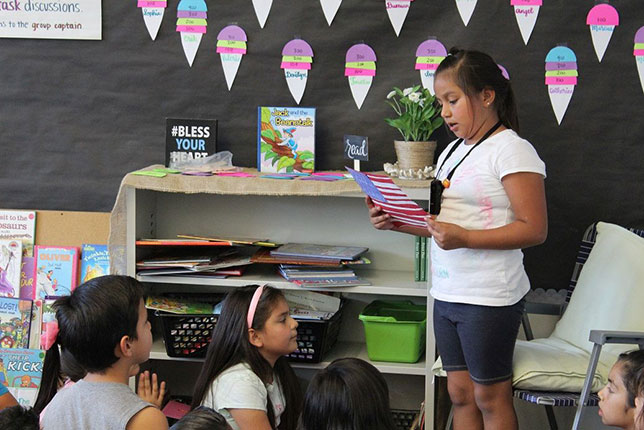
27, 278
55, 270
35, 326
417, 242
332, 283
263, 255
312, 251
95, 261
19, 225
232, 240
10, 265
21, 373
178, 306
285, 139
181, 242
423, 259
47, 320
15, 321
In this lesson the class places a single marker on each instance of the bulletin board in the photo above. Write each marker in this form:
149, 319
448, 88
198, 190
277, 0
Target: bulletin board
77, 115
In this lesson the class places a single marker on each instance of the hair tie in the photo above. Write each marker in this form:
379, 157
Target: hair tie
253, 305
50, 335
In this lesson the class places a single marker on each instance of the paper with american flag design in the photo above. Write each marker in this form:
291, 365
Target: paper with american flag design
386, 194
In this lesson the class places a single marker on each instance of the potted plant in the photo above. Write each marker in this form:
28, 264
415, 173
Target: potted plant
418, 115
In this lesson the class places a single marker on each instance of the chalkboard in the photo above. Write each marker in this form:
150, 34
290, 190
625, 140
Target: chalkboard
75, 116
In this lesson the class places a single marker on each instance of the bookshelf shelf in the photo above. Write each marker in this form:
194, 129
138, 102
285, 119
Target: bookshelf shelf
253, 209
341, 349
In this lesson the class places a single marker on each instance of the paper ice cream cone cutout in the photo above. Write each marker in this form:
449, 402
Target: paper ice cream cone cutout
231, 47
466, 9
152, 15
429, 55
330, 8
262, 9
191, 24
526, 12
397, 11
360, 69
602, 20
561, 79
297, 57
638, 52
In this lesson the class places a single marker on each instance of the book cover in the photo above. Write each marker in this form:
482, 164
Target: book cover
15, 320
47, 320
55, 270
36, 319
10, 264
423, 259
21, 372
417, 242
285, 139
27, 278
95, 261
174, 306
188, 139
308, 250
19, 225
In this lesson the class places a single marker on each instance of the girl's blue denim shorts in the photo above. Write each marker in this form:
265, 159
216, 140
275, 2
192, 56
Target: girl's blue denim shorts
479, 339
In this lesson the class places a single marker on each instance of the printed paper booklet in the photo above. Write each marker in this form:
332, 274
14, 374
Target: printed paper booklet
285, 139
21, 373
55, 271
95, 261
15, 320
308, 250
10, 265
19, 225
177, 306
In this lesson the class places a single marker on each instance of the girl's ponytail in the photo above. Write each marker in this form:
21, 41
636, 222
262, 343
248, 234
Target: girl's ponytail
507, 109
51, 379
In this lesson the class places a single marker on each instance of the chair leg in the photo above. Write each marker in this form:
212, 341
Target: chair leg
550, 412
588, 382
450, 419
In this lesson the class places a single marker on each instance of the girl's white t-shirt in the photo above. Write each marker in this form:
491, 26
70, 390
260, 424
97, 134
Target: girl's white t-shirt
238, 387
476, 200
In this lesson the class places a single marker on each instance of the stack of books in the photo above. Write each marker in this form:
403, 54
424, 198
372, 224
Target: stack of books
310, 265
225, 264
420, 259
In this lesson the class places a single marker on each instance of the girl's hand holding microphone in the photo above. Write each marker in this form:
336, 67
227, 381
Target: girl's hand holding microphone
379, 219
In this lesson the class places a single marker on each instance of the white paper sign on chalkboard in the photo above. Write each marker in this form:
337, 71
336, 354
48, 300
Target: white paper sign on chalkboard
187, 139
356, 147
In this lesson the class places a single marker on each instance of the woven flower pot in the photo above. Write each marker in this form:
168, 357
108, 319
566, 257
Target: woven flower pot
414, 155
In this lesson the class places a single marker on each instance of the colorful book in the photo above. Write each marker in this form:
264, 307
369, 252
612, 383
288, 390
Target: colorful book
15, 320
47, 320
312, 251
36, 320
19, 225
285, 139
263, 255
417, 258
10, 264
95, 261
178, 306
55, 271
423, 258
27, 278
21, 373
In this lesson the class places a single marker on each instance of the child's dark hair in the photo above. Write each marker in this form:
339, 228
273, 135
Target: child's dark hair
91, 322
19, 418
475, 71
202, 418
633, 375
350, 394
230, 345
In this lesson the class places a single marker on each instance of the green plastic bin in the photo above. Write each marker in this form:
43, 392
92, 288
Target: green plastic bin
395, 331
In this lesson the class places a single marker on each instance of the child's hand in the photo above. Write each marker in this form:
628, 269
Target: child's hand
447, 236
379, 219
151, 391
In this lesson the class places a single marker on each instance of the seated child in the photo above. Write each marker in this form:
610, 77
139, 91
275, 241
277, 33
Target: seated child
18, 418
201, 418
617, 398
246, 376
350, 394
103, 325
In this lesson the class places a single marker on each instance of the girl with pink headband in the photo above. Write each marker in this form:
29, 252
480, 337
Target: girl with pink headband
246, 376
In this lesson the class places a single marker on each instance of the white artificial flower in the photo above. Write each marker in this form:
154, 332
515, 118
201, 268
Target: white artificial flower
391, 94
422, 102
414, 97
407, 91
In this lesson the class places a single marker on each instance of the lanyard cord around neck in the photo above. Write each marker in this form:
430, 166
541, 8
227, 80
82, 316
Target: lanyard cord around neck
456, 145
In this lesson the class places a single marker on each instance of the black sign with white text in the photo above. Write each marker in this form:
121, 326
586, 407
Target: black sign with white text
187, 139
356, 147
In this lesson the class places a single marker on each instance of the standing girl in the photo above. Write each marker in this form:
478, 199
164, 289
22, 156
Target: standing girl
246, 376
492, 205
